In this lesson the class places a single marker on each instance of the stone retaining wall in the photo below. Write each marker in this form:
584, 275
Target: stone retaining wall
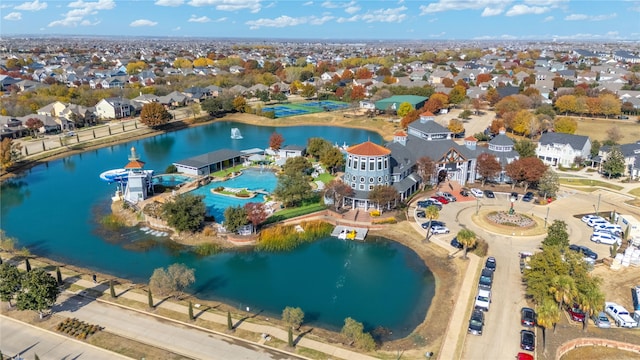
580, 342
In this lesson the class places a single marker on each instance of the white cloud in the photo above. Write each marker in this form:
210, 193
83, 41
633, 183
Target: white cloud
229, 5
489, 6
176, 28
552, 3
13, 16
285, 21
202, 19
173, 3
583, 17
548, 18
352, 9
524, 10
491, 11
330, 5
36, 5
142, 22
81, 9
390, 15
308, 3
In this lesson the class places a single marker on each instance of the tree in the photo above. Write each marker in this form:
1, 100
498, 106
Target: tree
426, 169
154, 114
293, 317
548, 316
456, 126
34, 125
174, 280
467, 238
614, 135
292, 189
316, 146
385, 196
239, 104
297, 165
431, 212
549, 183
525, 148
58, 275
595, 148
195, 109
557, 235
527, 171
353, 331
590, 298
10, 281
290, 337
332, 159
565, 125
39, 291
235, 218
275, 141
614, 165
609, 105
522, 122
337, 190
566, 104
256, 213
186, 212
457, 94
404, 109
492, 96
487, 166
10, 152
27, 265
563, 289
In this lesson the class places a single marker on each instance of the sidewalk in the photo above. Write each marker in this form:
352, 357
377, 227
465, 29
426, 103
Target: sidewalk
258, 329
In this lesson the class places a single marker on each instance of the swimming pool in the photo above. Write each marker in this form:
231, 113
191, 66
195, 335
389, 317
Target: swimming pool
252, 179
171, 180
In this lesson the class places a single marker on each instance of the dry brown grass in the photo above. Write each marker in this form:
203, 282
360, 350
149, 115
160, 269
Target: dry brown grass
596, 129
599, 353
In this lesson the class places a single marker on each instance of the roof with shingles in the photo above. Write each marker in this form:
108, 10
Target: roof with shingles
576, 142
368, 148
207, 159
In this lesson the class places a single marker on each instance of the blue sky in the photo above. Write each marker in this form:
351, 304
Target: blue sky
330, 20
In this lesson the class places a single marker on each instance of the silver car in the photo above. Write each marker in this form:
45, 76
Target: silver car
601, 320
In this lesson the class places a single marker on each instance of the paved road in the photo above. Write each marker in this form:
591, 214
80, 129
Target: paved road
28, 341
177, 338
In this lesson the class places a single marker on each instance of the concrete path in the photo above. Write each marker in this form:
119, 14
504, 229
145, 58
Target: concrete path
18, 338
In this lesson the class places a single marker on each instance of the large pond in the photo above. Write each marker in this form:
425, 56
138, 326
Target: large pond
54, 210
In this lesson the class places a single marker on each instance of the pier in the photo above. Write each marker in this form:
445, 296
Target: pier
349, 232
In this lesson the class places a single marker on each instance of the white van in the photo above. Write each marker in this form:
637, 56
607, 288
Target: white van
612, 228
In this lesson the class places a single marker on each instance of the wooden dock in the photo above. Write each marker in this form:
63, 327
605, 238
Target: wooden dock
349, 232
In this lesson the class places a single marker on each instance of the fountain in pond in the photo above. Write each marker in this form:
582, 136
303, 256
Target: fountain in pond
235, 134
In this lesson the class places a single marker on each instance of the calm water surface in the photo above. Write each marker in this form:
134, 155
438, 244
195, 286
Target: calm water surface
53, 209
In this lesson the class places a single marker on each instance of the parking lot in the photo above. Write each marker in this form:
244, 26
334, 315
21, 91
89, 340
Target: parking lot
501, 334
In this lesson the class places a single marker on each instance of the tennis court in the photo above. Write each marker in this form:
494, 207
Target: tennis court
285, 110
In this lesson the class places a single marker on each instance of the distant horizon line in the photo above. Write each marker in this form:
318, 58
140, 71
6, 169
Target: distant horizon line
282, 39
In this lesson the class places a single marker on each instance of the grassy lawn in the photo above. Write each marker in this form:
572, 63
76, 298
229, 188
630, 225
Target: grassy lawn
325, 177
596, 129
285, 214
588, 182
225, 172
635, 192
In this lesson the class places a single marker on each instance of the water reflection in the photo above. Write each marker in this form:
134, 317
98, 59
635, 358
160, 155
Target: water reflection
159, 148
14, 192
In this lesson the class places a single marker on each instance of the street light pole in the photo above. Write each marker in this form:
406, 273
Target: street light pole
598, 207
477, 205
546, 217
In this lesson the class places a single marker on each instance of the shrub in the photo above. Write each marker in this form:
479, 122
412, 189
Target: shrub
171, 169
112, 222
389, 220
287, 238
375, 213
482, 248
207, 249
269, 114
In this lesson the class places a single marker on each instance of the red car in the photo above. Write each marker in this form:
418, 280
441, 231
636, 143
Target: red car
442, 199
524, 356
575, 313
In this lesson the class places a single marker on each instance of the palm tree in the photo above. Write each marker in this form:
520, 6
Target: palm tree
431, 213
590, 299
467, 238
563, 288
548, 317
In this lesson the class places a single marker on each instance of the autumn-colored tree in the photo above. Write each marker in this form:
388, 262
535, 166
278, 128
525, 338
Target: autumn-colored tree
478, 105
357, 93
256, 213
565, 125
239, 104
347, 75
487, 166
482, 78
433, 104
10, 152
492, 96
614, 135
513, 103
182, 63
340, 92
275, 141
456, 126
566, 104
154, 114
34, 125
412, 116
581, 105
522, 122
496, 125
457, 94
337, 191
389, 80
404, 108
426, 169
135, 67
363, 73
593, 106
527, 171
609, 105
448, 83
386, 196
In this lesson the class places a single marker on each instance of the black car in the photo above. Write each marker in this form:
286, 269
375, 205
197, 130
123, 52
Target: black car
427, 203
528, 196
514, 195
476, 323
456, 244
584, 250
490, 263
489, 194
528, 317
421, 214
464, 192
433, 223
486, 279
527, 340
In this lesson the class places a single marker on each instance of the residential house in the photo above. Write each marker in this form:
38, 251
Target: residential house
559, 149
113, 108
631, 153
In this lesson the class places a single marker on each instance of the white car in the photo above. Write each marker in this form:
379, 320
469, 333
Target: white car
585, 219
620, 315
477, 192
597, 221
611, 228
605, 238
483, 300
435, 201
439, 230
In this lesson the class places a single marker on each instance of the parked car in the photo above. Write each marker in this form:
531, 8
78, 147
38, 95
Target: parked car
435, 201
464, 192
70, 133
596, 221
439, 230
527, 340
477, 192
483, 300
456, 244
476, 323
605, 238
441, 199
524, 356
528, 317
528, 196
586, 218
514, 195
489, 194
433, 223
584, 250
421, 214
490, 263
524, 260
575, 313
447, 195
429, 202
601, 320
486, 279
614, 229
620, 315
623, 117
